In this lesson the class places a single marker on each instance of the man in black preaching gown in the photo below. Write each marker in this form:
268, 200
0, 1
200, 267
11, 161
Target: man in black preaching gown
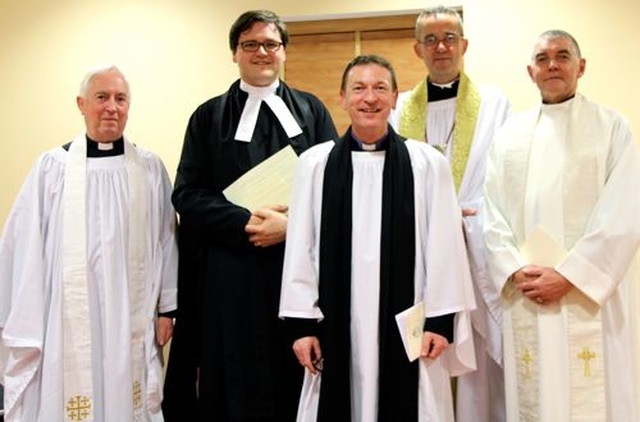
229, 359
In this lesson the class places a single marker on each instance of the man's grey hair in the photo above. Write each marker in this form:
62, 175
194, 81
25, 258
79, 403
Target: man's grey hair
552, 34
437, 10
99, 70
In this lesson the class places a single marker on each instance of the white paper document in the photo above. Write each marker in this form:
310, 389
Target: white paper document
540, 248
269, 183
411, 325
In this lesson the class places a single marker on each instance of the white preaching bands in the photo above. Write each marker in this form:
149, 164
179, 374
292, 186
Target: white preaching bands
249, 116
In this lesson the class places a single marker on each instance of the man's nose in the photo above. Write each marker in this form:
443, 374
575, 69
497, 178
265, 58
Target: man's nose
370, 95
112, 104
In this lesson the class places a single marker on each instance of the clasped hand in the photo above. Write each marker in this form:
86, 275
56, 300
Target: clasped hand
541, 284
267, 226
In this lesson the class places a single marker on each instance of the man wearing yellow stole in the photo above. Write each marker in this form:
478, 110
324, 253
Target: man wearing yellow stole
448, 111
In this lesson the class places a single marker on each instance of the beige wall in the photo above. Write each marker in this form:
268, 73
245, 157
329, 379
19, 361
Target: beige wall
175, 55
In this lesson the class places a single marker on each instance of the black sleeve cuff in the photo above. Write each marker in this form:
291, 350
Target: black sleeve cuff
296, 328
442, 325
170, 314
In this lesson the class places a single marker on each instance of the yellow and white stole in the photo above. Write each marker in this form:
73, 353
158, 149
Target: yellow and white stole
413, 121
556, 164
76, 325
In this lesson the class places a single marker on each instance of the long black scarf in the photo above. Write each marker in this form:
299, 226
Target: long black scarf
398, 378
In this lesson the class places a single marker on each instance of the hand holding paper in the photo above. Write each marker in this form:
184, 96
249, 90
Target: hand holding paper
411, 323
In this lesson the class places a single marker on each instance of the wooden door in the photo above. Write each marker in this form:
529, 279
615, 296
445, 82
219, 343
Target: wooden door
318, 52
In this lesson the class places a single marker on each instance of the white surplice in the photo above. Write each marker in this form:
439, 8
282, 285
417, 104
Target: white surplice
476, 401
442, 277
572, 169
31, 314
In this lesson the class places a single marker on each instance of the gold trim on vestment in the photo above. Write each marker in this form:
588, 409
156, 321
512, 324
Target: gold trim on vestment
413, 121
77, 375
77, 346
567, 333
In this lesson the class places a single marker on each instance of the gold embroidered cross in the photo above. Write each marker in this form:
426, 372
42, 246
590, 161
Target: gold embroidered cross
137, 395
586, 355
79, 408
526, 361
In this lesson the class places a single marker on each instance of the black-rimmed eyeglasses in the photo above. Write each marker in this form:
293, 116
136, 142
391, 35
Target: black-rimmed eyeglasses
253, 46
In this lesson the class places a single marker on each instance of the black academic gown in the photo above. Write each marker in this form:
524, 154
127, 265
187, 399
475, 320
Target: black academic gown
227, 326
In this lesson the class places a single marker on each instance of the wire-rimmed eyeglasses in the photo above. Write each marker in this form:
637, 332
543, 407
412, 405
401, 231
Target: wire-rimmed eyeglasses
253, 46
431, 41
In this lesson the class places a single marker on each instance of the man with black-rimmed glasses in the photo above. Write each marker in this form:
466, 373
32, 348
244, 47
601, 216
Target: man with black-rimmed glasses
229, 360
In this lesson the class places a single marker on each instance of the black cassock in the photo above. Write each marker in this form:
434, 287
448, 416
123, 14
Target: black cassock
228, 336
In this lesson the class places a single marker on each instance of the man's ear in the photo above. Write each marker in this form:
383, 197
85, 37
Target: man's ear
530, 72
343, 100
417, 48
582, 67
80, 103
465, 45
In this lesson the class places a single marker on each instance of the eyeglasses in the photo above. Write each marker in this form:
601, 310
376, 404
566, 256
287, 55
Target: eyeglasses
253, 46
431, 41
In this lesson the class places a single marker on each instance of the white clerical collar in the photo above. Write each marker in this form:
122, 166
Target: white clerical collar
251, 109
447, 85
105, 146
261, 92
359, 145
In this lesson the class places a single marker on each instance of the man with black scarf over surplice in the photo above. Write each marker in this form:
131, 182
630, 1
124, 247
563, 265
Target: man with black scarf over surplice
375, 228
